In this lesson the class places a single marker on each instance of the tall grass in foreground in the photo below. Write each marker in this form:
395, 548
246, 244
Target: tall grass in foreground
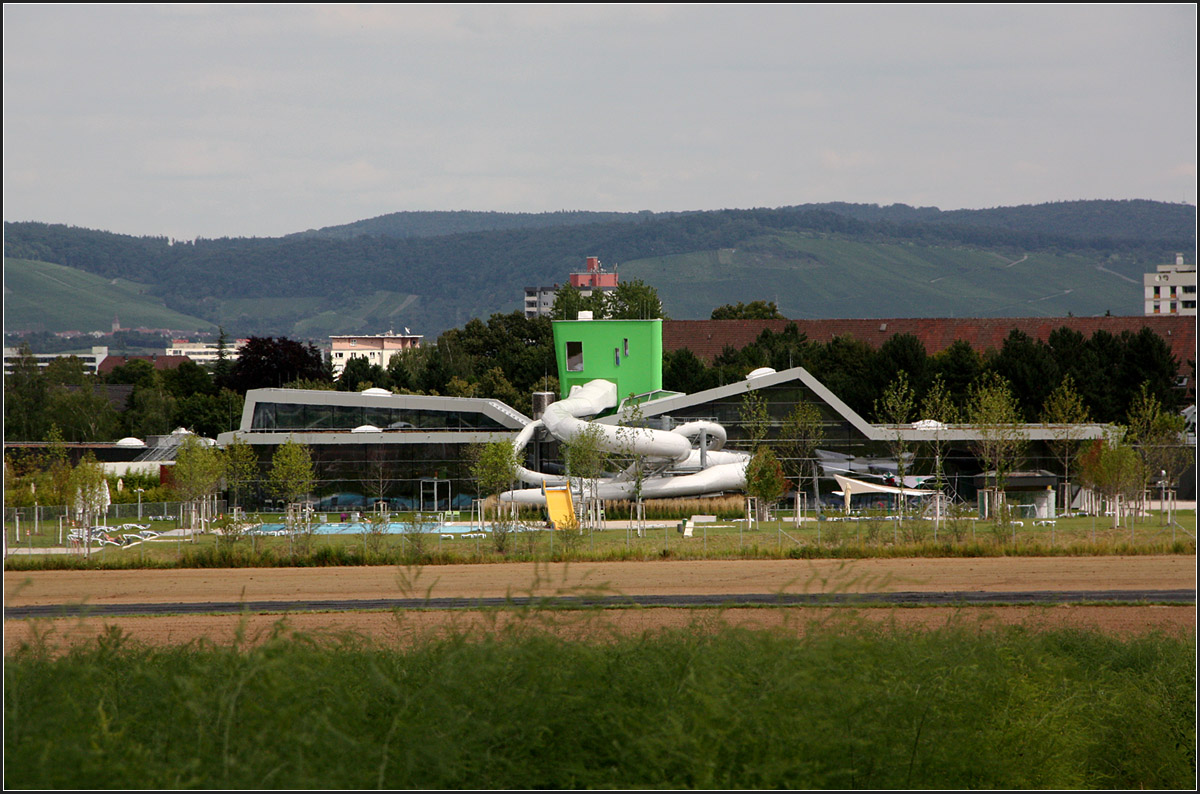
862, 709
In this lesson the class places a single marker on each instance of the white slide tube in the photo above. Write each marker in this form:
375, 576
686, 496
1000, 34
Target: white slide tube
561, 419
721, 470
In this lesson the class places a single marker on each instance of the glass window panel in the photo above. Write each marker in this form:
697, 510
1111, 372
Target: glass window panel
264, 417
380, 417
347, 417
318, 416
575, 356
289, 416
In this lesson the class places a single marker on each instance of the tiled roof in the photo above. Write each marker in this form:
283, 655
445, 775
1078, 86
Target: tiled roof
707, 338
158, 362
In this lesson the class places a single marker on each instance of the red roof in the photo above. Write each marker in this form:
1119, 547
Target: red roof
707, 338
158, 362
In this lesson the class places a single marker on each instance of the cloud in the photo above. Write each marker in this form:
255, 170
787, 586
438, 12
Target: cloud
269, 119
197, 158
847, 160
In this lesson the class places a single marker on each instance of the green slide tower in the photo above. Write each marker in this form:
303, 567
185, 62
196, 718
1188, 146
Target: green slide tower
629, 353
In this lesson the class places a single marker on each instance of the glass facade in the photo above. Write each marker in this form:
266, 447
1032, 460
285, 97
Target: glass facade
410, 475
780, 401
296, 417
407, 476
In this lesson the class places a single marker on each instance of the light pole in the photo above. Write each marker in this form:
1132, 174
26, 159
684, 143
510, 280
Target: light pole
1162, 501
139, 493
926, 425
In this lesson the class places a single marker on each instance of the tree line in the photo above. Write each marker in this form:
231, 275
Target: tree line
1108, 369
195, 277
508, 357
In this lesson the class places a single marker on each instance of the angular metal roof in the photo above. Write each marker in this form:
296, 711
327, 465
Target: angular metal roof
870, 431
508, 418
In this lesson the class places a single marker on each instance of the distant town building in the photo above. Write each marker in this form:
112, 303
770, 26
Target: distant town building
376, 349
540, 300
203, 352
91, 361
1171, 290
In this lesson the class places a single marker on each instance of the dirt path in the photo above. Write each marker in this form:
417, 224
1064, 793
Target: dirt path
994, 574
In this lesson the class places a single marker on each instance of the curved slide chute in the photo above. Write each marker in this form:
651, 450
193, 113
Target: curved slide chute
677, 468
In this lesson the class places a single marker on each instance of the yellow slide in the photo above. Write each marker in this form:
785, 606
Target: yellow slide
559, 506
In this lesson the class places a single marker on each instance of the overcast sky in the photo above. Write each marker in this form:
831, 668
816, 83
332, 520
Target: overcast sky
264, 120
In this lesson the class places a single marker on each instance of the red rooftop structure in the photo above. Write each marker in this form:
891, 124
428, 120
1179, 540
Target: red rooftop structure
594, 276
707, 338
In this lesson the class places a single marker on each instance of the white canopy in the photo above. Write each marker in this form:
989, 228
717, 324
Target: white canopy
858, 486
850, 486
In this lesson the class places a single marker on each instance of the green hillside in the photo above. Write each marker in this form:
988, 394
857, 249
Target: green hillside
424, 271
40, 296
822, 277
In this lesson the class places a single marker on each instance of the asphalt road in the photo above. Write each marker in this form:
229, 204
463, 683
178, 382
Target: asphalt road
958, 598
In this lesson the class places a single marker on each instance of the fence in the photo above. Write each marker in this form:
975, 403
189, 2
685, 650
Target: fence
146, 511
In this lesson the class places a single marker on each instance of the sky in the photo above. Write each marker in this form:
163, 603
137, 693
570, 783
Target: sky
245, 120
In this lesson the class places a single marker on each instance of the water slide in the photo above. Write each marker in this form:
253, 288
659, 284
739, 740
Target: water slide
559, 506
675, 466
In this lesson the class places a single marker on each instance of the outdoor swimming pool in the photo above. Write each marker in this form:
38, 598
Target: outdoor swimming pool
394, 528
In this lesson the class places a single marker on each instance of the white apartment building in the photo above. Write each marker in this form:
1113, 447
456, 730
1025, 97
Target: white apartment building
91, 361
203, 352
539, 301
376, 349
1171, 290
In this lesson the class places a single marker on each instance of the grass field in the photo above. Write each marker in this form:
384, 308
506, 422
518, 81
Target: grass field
871, 536
843, 706
845, 703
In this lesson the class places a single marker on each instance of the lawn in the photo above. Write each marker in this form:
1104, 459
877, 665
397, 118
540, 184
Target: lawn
865, 536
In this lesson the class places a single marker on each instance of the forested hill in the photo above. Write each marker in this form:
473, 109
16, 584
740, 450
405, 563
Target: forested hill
439, 276
440, 224
1075, 220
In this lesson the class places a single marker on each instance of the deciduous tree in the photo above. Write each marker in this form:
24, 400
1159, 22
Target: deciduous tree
586, 459
803, 432
754, 310
291, 474
197, 475
241, 469
1064, 411
1158, 435
765, 480
1000, 445
495, 470
895, 409
633, 300
1113, 468
266, 362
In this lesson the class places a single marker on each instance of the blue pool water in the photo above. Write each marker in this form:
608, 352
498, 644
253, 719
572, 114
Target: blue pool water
359, 528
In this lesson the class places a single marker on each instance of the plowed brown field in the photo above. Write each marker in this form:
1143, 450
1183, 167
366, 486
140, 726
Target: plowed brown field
996, 574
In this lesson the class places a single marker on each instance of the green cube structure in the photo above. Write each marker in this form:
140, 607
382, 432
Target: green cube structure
627, 352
